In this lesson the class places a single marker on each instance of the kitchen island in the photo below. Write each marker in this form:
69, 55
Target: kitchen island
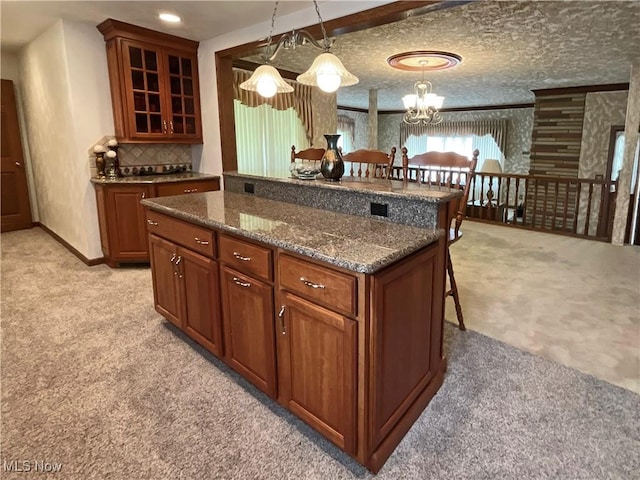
338, 317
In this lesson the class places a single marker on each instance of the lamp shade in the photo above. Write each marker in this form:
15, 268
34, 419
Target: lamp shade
267, 81
328, 73
491, 166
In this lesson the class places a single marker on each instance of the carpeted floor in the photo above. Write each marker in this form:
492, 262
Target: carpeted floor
93, 378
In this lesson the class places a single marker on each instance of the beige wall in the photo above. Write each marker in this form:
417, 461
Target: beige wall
67, 108
325, 118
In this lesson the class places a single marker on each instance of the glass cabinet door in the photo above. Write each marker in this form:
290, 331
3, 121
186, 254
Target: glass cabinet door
182, 96
144, 78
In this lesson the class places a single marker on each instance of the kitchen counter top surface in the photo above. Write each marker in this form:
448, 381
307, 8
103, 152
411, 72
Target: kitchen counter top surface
380, 186
159, 178
352, 242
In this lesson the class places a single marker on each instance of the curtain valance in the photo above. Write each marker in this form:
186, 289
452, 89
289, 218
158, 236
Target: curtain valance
496, 128
299, 99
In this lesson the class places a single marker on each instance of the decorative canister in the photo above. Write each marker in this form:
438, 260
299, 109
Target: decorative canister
332, 166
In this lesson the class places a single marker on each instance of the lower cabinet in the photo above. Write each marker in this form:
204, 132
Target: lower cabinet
317, 368
356, 356
247, 306
122, 228
121, 216
186, 291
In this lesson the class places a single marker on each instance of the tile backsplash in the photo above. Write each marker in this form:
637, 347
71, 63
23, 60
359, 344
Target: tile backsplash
156, 157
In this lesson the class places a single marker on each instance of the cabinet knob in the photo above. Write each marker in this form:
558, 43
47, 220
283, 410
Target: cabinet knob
151, 222
237, 281
18, 164
240, 257
195, 190
311, 284
201, 242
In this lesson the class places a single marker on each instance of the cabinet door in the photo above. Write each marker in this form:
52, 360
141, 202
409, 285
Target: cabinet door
166, 282
200, 294
126, 222
248, 328
317, 368
183, 103
144, 112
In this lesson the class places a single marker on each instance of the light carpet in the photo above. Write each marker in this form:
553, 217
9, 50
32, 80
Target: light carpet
93, 378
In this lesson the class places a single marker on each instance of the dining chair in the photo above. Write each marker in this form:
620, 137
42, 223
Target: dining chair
376, 163
308, 155
452, 170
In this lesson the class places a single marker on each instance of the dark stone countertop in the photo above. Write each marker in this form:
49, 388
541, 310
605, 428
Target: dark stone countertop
173, 177
378, 186
348, 241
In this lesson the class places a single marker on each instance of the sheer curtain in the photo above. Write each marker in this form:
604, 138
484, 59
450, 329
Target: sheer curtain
463, 145
264, 137
346, 129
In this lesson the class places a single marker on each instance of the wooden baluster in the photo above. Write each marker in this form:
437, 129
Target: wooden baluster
535, 203
577, 207
566, 205
481, 189
505, 217
587, 220
555, 206
524, 200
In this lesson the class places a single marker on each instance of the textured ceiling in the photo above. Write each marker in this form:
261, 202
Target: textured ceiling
508, 49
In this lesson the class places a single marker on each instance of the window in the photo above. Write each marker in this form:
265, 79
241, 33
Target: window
461, 144
264, 137
346, 130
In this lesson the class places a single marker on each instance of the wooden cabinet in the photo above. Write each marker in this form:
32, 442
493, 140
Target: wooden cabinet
123, 228
317, 368
122, 223
186, 288
248, 311
356, 356
154, 84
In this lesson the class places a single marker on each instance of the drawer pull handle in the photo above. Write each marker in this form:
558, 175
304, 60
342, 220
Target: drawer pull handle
195, 190
281, 317
173, 257
241, 283
240, 257
311, 284
151, 222
201, 242
186, 190
143, 195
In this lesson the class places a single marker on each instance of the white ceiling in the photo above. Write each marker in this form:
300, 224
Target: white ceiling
23, 20
508, 47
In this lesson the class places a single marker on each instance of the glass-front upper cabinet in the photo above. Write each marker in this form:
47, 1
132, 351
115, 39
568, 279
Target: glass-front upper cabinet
154, 85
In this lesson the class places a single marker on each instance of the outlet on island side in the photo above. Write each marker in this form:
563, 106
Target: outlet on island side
249, 188
379, 209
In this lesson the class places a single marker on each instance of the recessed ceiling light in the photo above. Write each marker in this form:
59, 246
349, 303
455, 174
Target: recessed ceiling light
169, 17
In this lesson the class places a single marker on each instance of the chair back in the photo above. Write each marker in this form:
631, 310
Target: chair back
313, 155
376, 163
447, 169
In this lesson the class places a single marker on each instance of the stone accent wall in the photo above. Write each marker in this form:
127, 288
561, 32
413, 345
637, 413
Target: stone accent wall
557, 134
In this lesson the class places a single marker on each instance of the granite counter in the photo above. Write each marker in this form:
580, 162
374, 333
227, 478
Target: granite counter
360, 244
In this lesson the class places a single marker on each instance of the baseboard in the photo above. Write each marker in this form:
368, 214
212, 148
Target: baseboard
68, 246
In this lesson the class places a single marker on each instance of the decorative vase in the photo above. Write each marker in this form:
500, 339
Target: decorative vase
332, 166
100, 164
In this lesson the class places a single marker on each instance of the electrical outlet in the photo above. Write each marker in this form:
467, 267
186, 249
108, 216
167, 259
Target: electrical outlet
249, 188
380, 209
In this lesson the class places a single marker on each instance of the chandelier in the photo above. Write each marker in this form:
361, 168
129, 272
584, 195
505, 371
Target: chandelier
326, 72
423, 105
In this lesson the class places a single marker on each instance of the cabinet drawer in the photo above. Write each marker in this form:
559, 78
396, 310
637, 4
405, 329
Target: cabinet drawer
198, 239
333, 289
246, 257
179, 188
